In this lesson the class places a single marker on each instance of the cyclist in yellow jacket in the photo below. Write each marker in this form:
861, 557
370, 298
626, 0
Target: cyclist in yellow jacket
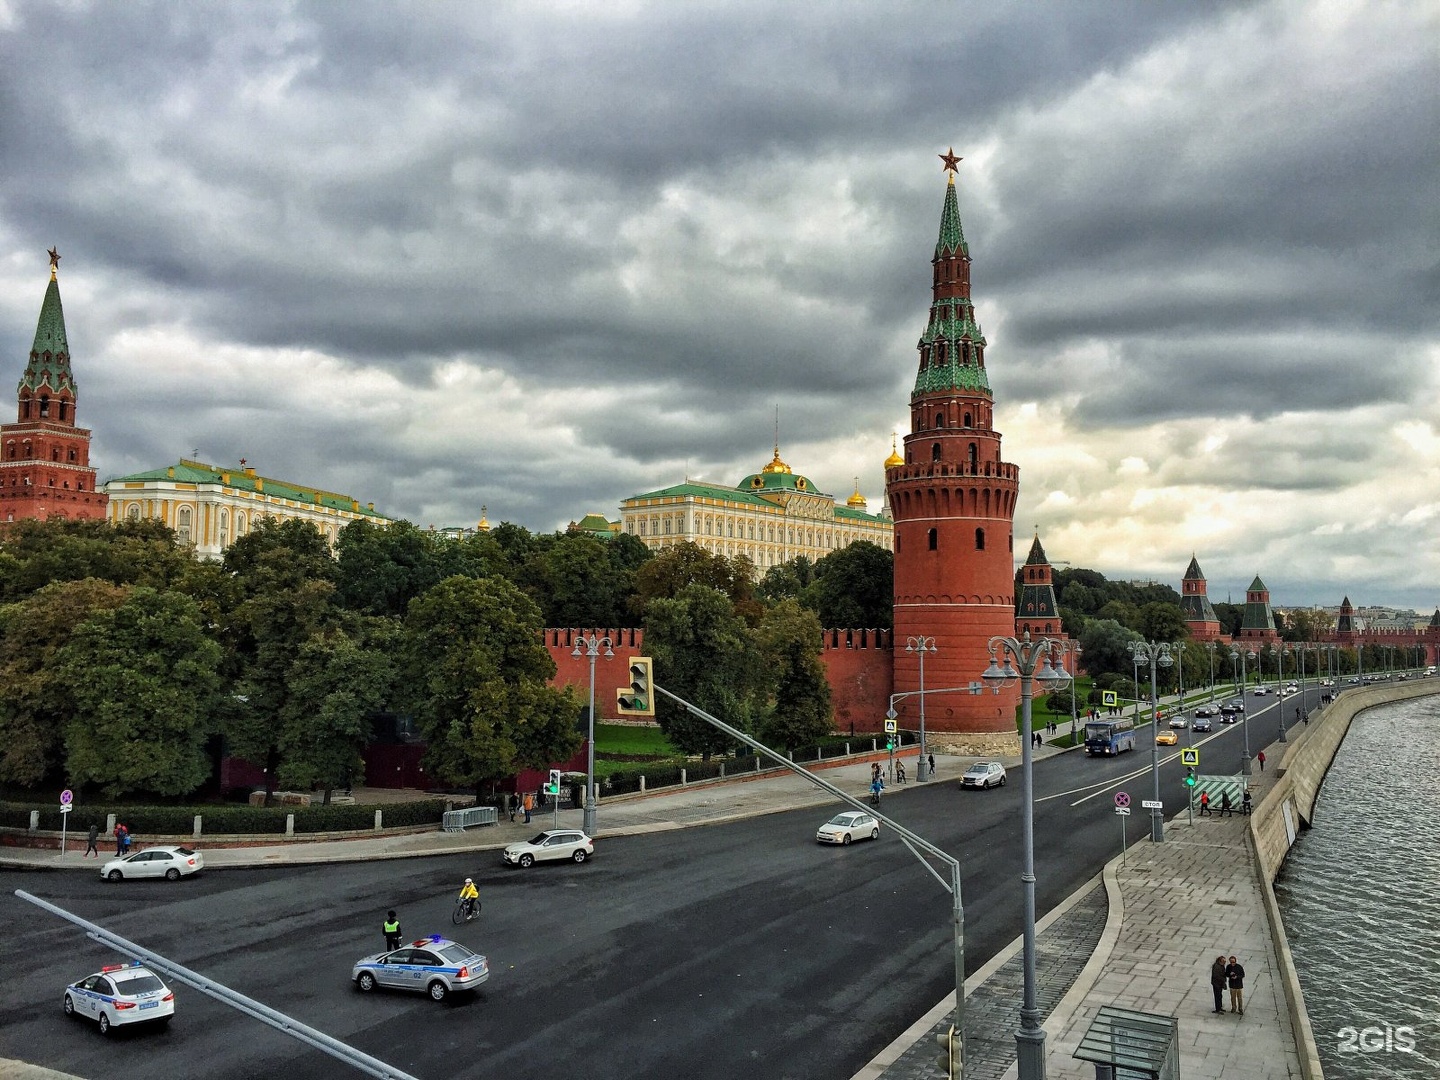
470, 895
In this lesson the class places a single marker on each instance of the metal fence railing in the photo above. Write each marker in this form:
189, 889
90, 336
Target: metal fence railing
460, 820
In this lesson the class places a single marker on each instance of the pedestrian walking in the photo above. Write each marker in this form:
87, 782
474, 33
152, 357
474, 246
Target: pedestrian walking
874, 771
1205, 812
119, 843
90, 841
1225, 808
511, 801
899, 772
529, 806
1217, 983
1260, 757
876, 786
1245, 803
125, 839
1235, 977
931, 758
391, 929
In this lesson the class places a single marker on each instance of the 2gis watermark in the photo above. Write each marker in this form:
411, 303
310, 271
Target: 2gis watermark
1385, 1039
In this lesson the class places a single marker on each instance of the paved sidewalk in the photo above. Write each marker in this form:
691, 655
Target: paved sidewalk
1177, 906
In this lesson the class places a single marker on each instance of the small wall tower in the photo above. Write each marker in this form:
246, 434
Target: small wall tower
953, 500
1195, 605
44, 458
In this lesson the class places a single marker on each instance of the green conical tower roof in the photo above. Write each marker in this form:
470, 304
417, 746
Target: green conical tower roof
1037, 554
50, 355
952, 235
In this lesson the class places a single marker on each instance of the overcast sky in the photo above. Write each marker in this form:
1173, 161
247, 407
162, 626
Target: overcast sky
540, 257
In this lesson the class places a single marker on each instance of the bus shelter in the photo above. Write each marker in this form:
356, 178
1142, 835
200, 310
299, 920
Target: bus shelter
1124, 1044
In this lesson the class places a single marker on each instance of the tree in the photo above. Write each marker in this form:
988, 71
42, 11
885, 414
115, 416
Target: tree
38, 553
35, 704
705, 653
143, 678
1120, 611
1162, 622
280, 554
336, 685
379, 569
686, 564
1231, 617
1105, 646
855, 587
477, 676
575, 583
790, 640
787, 581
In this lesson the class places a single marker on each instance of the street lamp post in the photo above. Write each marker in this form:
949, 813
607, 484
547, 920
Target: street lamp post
1242, 656
1157, 653
1210, 647
1028, 655
590, 646
921, 645
1075, 651
1279, 679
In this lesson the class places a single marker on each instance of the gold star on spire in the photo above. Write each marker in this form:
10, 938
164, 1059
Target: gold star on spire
951, 162
54, 262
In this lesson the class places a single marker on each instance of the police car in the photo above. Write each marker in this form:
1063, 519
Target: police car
121, 994
435, 965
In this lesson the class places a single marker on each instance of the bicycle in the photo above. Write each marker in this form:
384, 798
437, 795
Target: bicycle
465, 910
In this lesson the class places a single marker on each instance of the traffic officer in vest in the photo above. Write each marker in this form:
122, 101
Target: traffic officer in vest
392, 932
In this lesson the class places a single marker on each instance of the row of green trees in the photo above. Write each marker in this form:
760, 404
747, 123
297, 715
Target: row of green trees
129, 666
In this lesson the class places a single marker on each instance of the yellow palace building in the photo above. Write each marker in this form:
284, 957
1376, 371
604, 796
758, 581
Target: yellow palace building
209, 508
771, 517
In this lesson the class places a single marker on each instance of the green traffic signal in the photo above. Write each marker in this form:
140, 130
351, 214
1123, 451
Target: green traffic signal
1190, 777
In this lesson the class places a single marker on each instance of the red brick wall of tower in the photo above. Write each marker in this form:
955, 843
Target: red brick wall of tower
45, 470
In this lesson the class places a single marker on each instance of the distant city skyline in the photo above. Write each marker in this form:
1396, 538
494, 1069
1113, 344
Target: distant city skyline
544, 258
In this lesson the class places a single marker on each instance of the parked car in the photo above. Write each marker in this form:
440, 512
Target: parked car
851, 825
121, 994
550, 845
167, 862
984, 774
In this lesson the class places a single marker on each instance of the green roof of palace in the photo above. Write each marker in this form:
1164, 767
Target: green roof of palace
692, 489
194, 472
849, 512
50, 355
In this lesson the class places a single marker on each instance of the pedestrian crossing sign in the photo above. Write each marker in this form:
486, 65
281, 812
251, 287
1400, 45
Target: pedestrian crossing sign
1190, 757
1109, 697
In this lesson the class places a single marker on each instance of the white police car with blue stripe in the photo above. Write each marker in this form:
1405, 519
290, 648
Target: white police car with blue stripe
434, 965
121, 994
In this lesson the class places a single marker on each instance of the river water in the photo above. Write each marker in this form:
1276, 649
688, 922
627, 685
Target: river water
1360, 896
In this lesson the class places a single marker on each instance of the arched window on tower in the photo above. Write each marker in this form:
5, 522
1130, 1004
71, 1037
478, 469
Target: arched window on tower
65, 413
29, 450
967, 420
939, 419
974, 457
934, 537
979, 539
44, 406
934, 452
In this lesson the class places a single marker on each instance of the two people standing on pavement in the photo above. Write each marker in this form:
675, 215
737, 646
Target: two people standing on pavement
1231, 974
1217, 983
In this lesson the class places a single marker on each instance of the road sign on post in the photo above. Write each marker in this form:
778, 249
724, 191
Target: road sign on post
890, 727
1190, 756
1122, 798
1109, 697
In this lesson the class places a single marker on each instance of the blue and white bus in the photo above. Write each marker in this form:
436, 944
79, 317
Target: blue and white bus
1109, 737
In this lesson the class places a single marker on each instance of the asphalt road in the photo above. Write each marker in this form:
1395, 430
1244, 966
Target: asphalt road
709, 953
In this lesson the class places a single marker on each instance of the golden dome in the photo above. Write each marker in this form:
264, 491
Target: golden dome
776, 465
484, 525
857, 500
894, 459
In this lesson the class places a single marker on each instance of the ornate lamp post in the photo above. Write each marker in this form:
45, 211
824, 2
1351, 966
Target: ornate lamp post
1033, 660
921, 645
1075, 651
1157, 653
591, 646
1245, 716
1210, 647
1278, 681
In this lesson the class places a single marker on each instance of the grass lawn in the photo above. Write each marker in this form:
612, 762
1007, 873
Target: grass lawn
629, 739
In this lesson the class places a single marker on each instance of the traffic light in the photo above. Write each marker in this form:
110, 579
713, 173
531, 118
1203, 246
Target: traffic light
637, 699
1190, 776
552, 786
890, 742
951, 1052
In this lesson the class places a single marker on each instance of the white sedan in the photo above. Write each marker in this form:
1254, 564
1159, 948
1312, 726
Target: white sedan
121, 994
984, 774
552, 844
851, 825
167, 862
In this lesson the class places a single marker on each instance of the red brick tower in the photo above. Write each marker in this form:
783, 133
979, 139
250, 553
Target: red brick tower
1195, 605
44, 458
953, 500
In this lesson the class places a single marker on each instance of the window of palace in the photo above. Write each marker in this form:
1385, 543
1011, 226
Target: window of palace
133, 513
224, 529
182, 525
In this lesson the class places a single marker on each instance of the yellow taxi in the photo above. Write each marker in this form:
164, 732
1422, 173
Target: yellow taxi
1166, 737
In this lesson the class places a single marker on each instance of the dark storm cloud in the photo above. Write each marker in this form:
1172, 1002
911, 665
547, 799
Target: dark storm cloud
648, 224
